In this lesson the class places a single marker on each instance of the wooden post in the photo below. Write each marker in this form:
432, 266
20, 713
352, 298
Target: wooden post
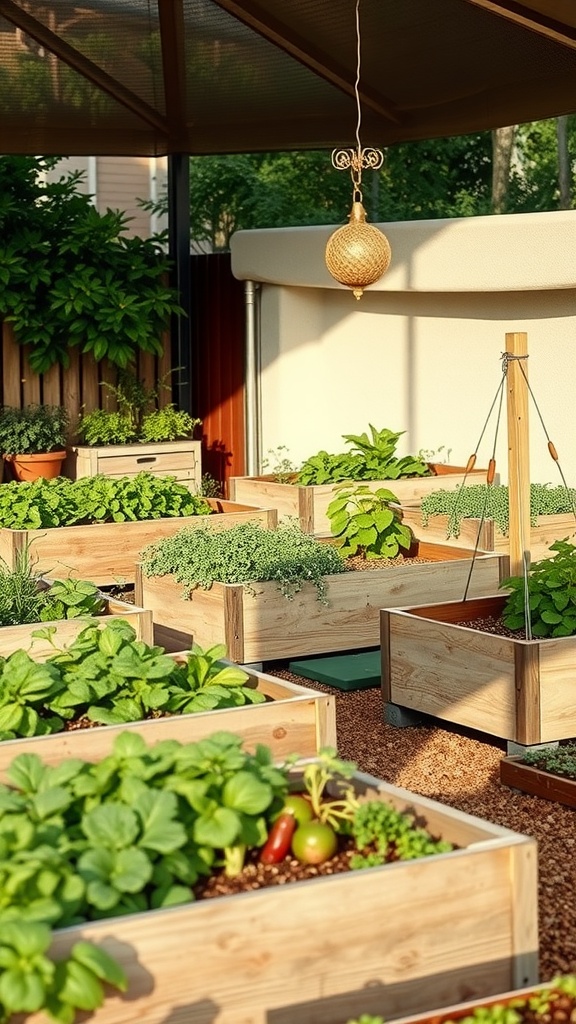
518, 451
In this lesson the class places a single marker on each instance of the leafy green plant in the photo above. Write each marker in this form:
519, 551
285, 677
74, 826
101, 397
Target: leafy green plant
33, 429
382, 833
363, 523
97, 499
108, 676
557, 760
30, 981
102, 426
370, 458
551, 591
210, 487
26, 597
247, 553
70, 276
167, 424
480, 501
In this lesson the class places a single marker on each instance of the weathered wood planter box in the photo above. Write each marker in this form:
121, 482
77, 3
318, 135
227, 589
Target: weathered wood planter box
258, 623
293, 719
536, 782
521, 690
400, 937
107, 553
309, 503
459, 1010
488, 534
12, 638
181, 459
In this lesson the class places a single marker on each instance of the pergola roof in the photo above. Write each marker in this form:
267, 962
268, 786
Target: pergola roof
154, 77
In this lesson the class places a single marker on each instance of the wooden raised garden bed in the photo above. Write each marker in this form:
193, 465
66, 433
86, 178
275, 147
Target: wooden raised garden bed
489, 535
399, 937
537, 782
107, 553
464, 1009
180, 459
309, 503
12, 638
293, 719
521, 690
257, 623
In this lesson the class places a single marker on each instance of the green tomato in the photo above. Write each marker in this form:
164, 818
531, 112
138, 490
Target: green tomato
314, 842
300, 807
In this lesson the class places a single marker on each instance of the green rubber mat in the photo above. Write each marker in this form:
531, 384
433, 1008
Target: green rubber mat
358, 671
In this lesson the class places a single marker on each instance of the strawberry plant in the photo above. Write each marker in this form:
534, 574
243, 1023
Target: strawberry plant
363, 523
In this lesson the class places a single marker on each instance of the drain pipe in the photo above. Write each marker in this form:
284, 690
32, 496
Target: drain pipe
252, 402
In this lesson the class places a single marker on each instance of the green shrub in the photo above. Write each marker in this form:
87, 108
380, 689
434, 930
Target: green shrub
33, 429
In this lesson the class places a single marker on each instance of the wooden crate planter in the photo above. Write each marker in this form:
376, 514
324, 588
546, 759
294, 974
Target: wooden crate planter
181, 459
107, 553
259, 624
400, 937
293, 719
12, 638
521, 690
536, 782
459, 1010
488, 535
309, 503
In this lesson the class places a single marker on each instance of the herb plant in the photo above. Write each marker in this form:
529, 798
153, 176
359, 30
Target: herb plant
247, 553
363, 523
369, 458
480, 501
279, 464
97, 499
33, 429
551, 585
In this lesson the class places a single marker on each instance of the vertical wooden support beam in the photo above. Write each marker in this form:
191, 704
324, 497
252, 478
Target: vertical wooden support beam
518, 450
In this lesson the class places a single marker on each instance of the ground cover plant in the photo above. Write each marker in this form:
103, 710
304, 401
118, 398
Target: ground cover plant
245, 553
480, 501
97, 499
370, 457
557, 760
554, 1003
108, 677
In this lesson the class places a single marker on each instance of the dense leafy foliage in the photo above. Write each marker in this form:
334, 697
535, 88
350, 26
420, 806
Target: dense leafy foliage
25, 598
96, 499
369, 458
480, 501
70, 277
559, 760
108, 676
247, 553
33, 429
363, 523
550, 587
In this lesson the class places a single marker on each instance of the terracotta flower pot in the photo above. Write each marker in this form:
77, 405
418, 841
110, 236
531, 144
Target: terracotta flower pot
42, 464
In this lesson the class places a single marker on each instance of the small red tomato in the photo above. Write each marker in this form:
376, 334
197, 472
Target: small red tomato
300, 807
279, 838
314, 842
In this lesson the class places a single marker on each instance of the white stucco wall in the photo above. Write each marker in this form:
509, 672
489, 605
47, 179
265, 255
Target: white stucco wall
421, 350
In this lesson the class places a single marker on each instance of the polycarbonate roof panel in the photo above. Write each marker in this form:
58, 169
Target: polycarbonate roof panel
150, 77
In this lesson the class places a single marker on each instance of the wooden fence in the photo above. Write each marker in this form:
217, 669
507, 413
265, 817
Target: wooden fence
217, 385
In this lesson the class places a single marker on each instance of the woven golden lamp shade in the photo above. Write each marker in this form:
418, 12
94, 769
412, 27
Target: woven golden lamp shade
357, 254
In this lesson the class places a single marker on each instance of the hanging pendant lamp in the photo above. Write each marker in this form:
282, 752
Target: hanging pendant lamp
357, 254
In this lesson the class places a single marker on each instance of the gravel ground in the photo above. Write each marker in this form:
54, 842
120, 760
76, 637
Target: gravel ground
462, 770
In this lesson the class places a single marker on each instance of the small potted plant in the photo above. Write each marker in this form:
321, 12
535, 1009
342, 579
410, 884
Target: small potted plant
33, 440
138, 434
